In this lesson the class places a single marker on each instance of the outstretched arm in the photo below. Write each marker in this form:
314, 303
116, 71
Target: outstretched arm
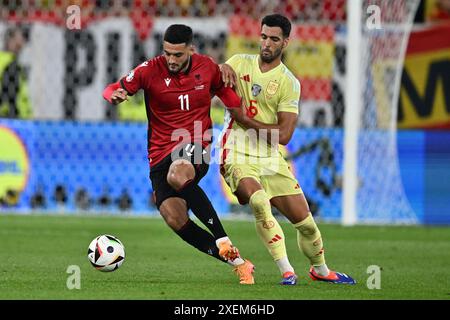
119, 91
114, 93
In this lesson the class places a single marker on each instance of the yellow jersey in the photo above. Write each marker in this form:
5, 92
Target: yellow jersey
265, 94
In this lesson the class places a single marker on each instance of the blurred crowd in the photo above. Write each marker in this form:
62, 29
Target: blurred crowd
296, 10
93, 9
14, 97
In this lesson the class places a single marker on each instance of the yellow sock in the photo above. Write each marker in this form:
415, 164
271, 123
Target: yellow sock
267, 226
309, 240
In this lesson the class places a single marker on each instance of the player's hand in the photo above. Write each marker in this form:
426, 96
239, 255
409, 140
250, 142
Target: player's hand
228, 75
119, 96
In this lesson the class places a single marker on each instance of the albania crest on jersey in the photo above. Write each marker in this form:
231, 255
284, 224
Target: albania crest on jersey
256, 89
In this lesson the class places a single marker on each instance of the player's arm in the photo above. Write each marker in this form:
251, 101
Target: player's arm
287, 114
119, 91
229, 77
283, 129
225, 93
114, 93
230, 99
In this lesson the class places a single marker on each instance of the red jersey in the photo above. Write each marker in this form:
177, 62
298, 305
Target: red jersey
178, 105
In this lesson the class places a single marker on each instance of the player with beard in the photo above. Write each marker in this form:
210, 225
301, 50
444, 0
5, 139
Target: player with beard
252, 165
178, 87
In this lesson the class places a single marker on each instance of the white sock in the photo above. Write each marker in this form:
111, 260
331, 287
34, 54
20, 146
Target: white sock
284, 265
322, 270
236, 262
221, 240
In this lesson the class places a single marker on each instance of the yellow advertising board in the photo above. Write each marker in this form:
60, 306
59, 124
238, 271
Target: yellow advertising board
425, 89
14, 163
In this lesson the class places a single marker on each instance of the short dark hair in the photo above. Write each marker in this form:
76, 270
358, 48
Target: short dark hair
277, 20
178, 33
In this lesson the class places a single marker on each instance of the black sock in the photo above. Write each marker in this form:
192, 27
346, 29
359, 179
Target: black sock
200, 205
199, 238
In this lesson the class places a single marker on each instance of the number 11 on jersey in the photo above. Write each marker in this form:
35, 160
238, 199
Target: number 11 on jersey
184, 101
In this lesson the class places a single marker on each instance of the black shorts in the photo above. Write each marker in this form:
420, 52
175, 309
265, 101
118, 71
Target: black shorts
193, 153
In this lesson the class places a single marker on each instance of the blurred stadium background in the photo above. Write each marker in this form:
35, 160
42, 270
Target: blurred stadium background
63, 149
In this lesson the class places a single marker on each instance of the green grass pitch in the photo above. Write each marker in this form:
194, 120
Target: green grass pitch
36, 250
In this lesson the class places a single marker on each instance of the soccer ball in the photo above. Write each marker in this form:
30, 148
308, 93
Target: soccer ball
106, 253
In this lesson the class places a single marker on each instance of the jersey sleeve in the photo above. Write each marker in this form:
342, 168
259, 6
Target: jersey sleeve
290, 96
228, 96
216, 82
135, 79
234, 61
